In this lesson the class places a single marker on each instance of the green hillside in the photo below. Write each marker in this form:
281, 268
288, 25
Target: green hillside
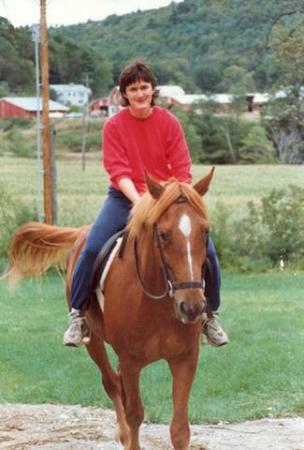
203, 45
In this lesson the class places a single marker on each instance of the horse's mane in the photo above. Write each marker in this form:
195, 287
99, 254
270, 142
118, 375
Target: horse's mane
148, 210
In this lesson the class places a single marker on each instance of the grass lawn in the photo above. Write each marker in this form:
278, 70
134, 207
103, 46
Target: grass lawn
260, 374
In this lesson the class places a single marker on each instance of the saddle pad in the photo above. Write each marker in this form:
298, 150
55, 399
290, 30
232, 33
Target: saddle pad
102, 258
100, 286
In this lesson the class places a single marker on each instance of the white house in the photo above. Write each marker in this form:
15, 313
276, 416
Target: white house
170, 91
72, 94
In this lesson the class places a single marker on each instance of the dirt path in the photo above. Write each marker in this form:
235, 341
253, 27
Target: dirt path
76, 428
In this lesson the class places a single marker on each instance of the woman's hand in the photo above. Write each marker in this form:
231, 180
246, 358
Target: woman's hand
128, 189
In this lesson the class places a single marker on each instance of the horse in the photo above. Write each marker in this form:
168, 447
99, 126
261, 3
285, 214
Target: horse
153, 297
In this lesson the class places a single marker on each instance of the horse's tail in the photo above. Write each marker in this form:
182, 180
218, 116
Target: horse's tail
36, 247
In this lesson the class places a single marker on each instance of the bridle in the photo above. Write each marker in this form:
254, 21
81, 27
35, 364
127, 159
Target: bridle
171, 285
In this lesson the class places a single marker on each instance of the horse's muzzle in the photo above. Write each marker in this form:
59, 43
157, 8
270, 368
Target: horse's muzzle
190, 310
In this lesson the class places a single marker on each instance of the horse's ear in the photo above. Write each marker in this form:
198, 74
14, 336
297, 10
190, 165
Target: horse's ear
202, 186
154, 187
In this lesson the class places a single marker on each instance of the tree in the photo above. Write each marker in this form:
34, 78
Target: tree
284, 117
4, 89
191, 133
207, 77
70, 63
256, 147
15, 69
213, 132
284, 121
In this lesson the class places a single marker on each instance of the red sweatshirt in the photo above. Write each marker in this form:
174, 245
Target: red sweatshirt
156, 144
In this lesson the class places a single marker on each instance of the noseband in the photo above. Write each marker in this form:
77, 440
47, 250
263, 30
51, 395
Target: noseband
171, 285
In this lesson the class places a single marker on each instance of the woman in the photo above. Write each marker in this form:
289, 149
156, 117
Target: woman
140, 137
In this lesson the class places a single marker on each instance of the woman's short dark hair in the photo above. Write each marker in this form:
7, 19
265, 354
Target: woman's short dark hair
138, 70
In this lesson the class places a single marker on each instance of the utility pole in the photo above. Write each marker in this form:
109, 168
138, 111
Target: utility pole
39, 171
47, 176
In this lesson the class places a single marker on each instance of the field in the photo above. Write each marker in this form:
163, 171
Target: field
81, 192
260, 374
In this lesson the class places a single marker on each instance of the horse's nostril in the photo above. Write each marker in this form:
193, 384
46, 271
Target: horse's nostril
200, 310
184, 308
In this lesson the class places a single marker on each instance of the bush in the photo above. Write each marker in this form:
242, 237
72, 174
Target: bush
256, 148
17, 145
263, 235
73, 142
69, 141
237, 238
22, 143
226, 138
13, 213
192, 137
8, 124
283, 215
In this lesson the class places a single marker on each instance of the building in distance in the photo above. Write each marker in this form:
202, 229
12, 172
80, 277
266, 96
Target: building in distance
72, 94
26, 107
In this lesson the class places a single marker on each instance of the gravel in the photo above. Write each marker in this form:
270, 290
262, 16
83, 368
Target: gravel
84, 428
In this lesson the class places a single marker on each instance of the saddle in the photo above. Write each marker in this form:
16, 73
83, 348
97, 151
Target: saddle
103, 257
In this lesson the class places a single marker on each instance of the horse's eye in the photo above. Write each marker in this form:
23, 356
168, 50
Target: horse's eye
205, 235
164, 236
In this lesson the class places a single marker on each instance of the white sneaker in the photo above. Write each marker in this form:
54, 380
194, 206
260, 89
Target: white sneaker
214, 333
77, 331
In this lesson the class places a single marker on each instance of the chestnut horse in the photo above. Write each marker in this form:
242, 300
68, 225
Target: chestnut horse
153, 297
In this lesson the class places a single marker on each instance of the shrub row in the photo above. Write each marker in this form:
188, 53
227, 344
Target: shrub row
18, 136
265, 235
211, 138
262, 236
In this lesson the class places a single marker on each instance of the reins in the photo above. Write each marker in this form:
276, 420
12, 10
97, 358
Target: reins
171, 285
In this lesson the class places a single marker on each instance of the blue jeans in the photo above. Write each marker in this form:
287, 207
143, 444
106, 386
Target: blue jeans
113, 217
212, 278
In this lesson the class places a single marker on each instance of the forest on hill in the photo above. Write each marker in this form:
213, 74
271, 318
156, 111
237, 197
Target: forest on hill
202, 45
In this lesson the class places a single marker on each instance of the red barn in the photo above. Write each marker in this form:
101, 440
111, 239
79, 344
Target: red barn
100, 107
26, 107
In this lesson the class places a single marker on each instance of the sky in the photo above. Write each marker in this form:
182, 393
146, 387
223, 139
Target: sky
67, 12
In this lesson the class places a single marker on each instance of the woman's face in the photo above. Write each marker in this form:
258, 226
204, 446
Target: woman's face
139, 95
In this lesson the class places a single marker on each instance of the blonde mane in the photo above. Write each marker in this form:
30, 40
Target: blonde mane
148, 210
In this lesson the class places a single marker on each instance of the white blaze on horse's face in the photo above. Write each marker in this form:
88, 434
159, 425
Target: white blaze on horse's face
185, 227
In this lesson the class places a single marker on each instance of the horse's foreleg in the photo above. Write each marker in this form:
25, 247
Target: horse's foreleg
133, 406
183, 371
112, 384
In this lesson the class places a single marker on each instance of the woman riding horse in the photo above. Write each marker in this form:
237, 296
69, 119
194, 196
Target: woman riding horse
141, 138
153, 303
